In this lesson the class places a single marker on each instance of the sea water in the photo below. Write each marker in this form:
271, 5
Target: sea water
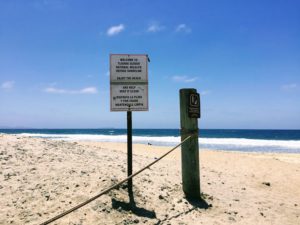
220, 139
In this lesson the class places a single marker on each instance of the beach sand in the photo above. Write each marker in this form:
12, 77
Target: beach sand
41, 178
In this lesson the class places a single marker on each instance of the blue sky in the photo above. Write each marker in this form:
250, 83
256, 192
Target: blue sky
243, 57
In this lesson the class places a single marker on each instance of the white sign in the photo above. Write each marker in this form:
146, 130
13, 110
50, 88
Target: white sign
128, 82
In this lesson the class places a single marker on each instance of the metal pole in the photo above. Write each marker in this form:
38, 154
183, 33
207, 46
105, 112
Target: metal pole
129, 149
189, 149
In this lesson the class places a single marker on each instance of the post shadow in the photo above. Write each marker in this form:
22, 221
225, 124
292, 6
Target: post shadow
131, 206
199, 202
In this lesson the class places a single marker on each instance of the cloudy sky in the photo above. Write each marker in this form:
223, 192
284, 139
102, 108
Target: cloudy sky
243, 57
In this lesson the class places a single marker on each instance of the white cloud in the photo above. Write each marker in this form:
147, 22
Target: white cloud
184, 79
183, 28
155, 27
289, 87
55, 90
114, 30
8, 85
87, 90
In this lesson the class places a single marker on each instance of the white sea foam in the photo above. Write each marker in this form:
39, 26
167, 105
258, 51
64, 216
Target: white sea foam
240, 144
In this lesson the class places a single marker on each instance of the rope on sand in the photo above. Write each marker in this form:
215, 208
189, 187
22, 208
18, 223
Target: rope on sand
112, 187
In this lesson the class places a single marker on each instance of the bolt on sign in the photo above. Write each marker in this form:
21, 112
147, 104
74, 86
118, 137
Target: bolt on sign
128, 82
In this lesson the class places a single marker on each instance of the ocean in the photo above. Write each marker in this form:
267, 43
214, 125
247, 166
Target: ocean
287, 141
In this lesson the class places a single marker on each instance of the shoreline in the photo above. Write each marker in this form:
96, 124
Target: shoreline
212, 143
41, 177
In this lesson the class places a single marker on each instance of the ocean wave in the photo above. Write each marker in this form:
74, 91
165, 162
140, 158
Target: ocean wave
238, 144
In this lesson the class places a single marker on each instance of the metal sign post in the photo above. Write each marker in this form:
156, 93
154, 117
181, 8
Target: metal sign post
129, 92
129, 149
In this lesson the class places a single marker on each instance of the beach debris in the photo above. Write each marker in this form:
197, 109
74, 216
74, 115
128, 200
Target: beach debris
83, 172
47, 196
231, 218
229, 213
179, 201
267, 184
9, 175
161, 197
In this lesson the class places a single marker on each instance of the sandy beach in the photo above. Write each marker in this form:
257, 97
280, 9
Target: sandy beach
40, 178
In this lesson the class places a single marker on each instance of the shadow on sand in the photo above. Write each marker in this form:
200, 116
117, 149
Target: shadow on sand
196, 203
199, 203
131, 206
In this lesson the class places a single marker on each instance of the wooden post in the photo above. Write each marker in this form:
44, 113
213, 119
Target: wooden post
129, 149
189, 149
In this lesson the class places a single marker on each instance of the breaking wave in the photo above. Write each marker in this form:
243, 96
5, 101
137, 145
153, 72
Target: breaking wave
236, 144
